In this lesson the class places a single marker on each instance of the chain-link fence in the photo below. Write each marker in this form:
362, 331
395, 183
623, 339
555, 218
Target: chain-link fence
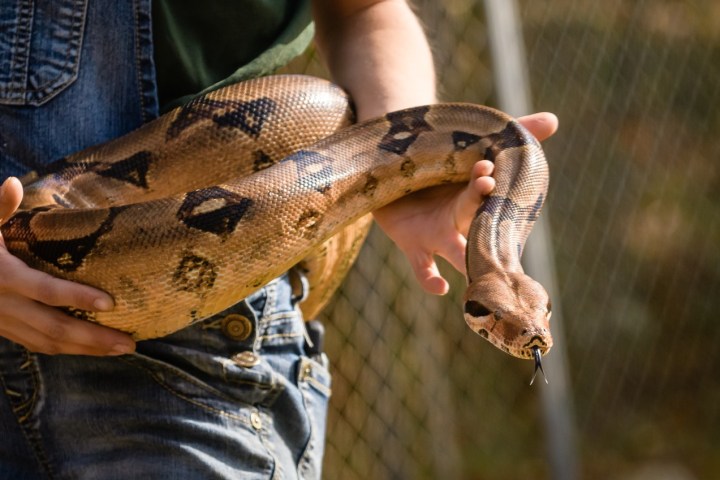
635, 213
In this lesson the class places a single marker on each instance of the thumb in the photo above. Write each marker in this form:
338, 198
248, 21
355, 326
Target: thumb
11, 194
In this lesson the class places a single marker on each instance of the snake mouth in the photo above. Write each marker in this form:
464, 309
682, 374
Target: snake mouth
536, 341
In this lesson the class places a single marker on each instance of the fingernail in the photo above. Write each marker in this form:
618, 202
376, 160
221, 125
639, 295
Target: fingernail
103, 304
121, 349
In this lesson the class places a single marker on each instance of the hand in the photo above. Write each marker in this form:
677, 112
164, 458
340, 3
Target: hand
28, 298
435, 221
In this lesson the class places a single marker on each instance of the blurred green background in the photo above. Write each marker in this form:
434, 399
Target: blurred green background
634, 209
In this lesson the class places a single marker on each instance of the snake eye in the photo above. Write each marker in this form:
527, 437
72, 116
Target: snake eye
476, 309
549, 306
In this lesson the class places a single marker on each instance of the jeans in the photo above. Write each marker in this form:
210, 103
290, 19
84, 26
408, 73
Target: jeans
202, 403
236, 396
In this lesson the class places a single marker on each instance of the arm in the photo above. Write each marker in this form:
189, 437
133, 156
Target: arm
377, 50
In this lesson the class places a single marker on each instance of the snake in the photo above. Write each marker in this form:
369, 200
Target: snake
199, 208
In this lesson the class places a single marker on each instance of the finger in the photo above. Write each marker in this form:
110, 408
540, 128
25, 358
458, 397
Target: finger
483, 186
47, 330
36, 342
471, 198
11, 194
427, 273
49, 290
481, 180
542, 125
454, 252
483, 168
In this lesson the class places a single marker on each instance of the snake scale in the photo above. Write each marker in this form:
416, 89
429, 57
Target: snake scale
183, 217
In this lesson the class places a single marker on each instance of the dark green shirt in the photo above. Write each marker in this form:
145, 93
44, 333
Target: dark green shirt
202, 46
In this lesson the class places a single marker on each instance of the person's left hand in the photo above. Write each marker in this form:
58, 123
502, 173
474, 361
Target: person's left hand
435, 221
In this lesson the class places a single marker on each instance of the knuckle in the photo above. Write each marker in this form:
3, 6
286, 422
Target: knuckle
56, 331
7, 304
48, 292
58, 293
7, 268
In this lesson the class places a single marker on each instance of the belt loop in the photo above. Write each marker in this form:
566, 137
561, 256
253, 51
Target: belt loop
300, 285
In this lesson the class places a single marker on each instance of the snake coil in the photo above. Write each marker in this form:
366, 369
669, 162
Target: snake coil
183, 217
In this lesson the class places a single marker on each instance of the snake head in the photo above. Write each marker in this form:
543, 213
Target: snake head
512, 311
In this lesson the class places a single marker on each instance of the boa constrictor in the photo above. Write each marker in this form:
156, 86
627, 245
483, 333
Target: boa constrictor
199, 208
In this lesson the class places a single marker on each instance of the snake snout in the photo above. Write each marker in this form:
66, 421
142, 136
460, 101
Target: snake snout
536, 342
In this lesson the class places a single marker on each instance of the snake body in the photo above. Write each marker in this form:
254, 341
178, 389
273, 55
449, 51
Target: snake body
198, 209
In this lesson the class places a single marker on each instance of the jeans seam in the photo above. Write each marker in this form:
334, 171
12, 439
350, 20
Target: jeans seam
269, 319
319, 386
138, 74
274, 336
269, 447
30, 405
143, 22
20, 51
305, 385
270, 300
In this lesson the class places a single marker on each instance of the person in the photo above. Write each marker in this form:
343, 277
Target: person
81, 400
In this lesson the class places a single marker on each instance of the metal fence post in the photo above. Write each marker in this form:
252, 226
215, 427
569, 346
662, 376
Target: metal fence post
513, 93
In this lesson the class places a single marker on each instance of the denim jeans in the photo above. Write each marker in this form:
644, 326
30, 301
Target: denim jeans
238, 395
198, 404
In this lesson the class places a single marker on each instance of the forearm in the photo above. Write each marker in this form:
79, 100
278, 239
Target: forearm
377, 51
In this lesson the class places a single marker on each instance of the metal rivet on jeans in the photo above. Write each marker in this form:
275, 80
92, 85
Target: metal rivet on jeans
246, 359
236, 327
256, 420
307, 371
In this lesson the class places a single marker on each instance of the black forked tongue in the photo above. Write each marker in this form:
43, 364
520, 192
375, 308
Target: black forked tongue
538, 364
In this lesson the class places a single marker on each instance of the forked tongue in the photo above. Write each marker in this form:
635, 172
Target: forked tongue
538, 364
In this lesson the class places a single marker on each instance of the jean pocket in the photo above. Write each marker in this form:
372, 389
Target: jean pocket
205, 382
40, 43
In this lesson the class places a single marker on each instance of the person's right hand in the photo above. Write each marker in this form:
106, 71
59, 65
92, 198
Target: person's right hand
28, 299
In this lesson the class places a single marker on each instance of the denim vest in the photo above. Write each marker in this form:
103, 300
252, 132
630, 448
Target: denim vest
73, 73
